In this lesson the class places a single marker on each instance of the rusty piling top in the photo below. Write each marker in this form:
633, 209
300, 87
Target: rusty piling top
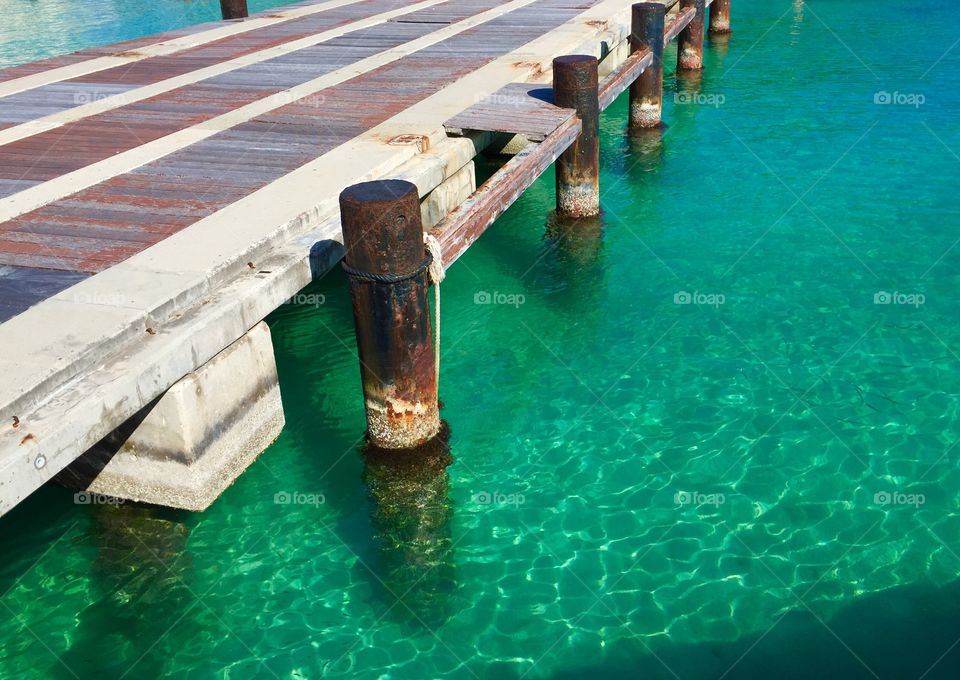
234, 9
574, 78
381, 226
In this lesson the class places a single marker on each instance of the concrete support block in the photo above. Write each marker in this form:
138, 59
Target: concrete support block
450, 194
189, 445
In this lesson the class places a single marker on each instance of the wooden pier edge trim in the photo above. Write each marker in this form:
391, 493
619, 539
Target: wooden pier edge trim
617, 82
677, 22
466, 223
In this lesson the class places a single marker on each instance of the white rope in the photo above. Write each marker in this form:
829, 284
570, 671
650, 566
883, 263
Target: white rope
437, 273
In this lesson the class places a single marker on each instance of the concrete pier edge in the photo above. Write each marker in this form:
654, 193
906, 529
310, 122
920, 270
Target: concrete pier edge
184, 449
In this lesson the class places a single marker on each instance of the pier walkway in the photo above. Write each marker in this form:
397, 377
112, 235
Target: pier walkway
160, 197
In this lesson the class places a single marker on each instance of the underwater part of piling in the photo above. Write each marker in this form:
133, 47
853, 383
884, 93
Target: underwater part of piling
411, 513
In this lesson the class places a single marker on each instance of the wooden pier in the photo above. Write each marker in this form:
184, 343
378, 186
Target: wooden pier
160, 197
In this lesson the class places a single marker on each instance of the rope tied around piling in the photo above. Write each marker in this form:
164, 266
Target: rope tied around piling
437, 274
425, 264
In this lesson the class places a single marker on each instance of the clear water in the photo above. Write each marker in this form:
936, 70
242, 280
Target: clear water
640, 488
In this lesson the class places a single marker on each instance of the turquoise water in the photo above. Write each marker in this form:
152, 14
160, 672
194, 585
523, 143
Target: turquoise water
761, 483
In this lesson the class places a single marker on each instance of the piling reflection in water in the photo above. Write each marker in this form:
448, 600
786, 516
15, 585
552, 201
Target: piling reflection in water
798, 9
689, 89
574, 271
141, 558
719, 43
646, 149
578, 241
411, 517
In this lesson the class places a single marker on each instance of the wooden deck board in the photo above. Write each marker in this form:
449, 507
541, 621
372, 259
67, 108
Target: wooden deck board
23, 287
519, 108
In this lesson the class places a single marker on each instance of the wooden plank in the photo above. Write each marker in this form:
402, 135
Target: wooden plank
519, 108
23, 287
618, 81
676, 23
465, 224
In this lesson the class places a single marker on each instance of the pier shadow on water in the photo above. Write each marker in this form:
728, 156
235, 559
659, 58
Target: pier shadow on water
903, 633
139, 591
413, 563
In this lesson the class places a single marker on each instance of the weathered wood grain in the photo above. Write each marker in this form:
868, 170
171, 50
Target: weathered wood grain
518, 108
618, 81
466, 223
675, 23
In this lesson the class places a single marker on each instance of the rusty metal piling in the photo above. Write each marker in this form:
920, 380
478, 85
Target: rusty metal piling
234, 9
387, 267
690, 41
575, 86
646, 92
720, 16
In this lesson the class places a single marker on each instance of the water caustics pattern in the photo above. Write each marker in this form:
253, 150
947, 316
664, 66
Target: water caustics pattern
711, 435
